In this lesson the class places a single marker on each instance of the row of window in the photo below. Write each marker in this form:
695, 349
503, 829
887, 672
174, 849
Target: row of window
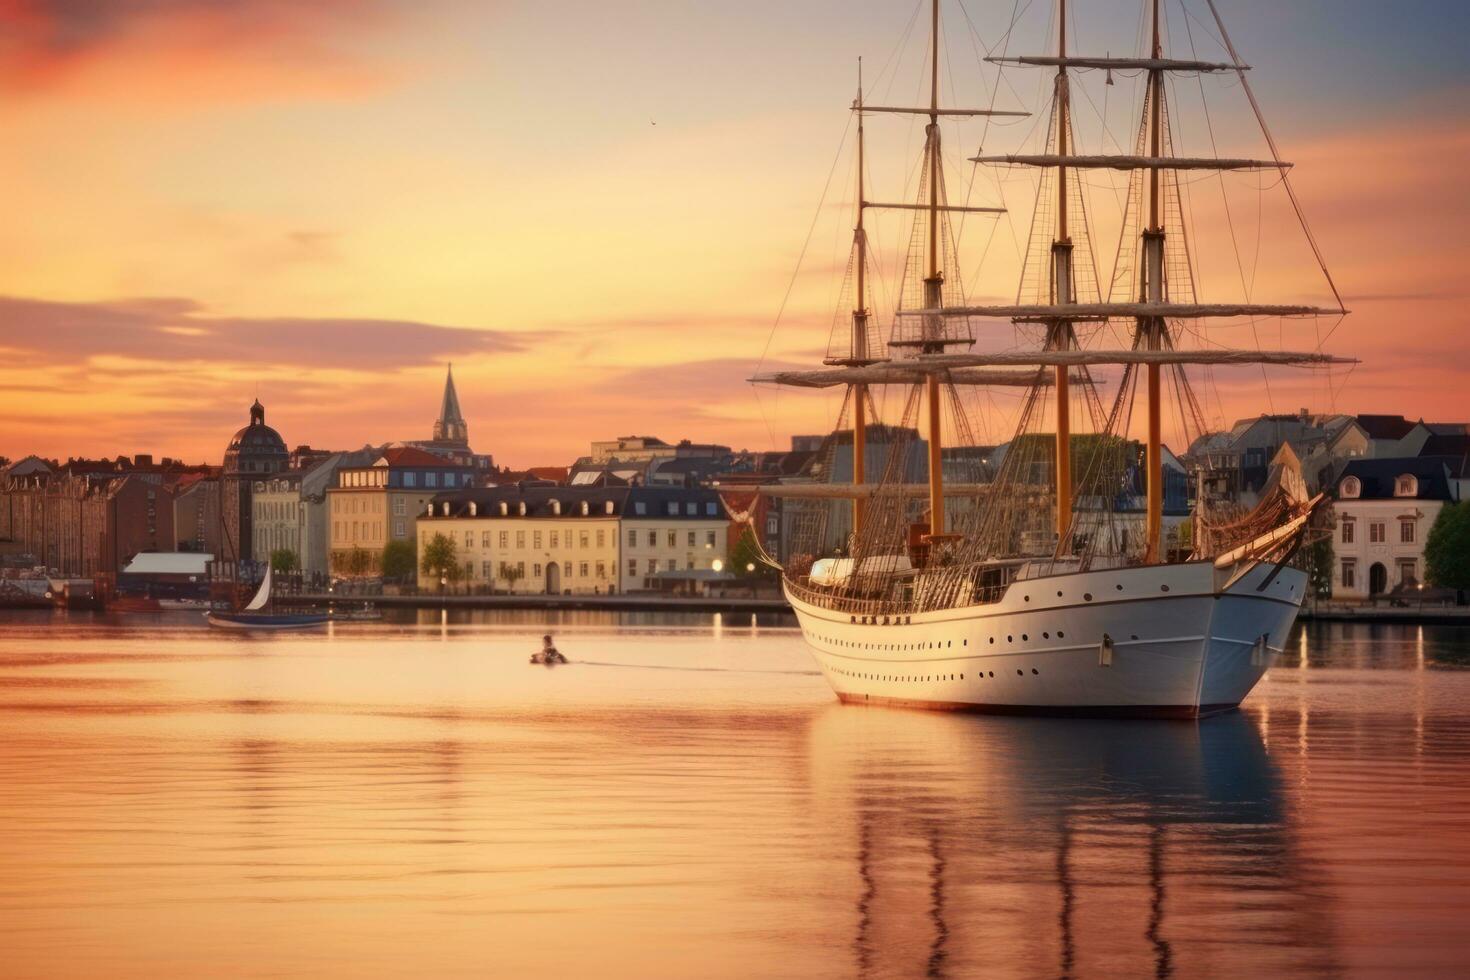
272, 510
379, 477
1378, 531
927, 644
489, 570
860, 675
583, 539
365, 530
1408, 569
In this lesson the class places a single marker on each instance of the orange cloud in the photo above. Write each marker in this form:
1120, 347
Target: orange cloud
186, 51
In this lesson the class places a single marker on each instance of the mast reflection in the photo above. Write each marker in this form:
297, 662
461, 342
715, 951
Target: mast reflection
1031, 846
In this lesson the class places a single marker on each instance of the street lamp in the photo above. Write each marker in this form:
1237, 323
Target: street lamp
717, 565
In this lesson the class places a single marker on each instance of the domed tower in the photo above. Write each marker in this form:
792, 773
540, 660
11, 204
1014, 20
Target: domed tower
254, 452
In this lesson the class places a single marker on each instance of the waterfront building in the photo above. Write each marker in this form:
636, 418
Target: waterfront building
254, 453
541, 539
1384, 510
649, 461
376, 502
84, 525
197, 525
277, 515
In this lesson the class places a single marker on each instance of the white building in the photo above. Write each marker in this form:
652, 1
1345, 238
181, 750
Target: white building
556, 539
1385, 508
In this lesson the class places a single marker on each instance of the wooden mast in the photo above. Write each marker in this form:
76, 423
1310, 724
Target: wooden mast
932, 292
1061, 252
1153, 327
859, 329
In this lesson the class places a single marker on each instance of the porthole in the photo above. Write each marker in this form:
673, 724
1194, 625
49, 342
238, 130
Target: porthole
1087, 597
992, 641
1060, 634
1035, 671
1024, 637
1010, 639
1059, 594
1026, 597
1163, 588
967, 641
992, 673
1045, 635
1019, 673
1119, 586
1133, 636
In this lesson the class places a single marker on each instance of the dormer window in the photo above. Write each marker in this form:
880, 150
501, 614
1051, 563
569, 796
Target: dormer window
474, 510
556, 507
521, 508
446, 508
608, 508
584, 508
1406, 486
504, 508
1351, 488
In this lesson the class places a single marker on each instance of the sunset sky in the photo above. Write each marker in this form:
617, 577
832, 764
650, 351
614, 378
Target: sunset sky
594, 207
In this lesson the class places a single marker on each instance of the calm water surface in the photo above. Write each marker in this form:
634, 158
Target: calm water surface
686, 799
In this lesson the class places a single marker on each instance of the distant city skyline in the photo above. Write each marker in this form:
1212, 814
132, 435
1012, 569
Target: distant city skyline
594, 210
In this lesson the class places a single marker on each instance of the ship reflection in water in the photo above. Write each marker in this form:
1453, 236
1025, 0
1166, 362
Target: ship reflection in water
686, 799
1039, 846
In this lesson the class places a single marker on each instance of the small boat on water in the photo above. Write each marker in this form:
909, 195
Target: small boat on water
258, 614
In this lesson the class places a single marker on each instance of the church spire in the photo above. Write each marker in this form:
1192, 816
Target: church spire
451, 426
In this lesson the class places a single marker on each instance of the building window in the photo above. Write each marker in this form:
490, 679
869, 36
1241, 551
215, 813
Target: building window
582, 569
582, 539
633, 566
1406, 532
691, 508
555, 538
673, 508
1349, 574
521, 568
712, 509
411, 479
693, 536
469, 539
673, 539
1408, 574
536, 570
1347, 531
484, 539
601, 539
639, 507
632, 538
1351, 487
504, 540
602, 569
566, 569
653, 539
520, 539
1406, 486
536, 543
399, 505
398, 529
485, 570
1375, 533
653, 566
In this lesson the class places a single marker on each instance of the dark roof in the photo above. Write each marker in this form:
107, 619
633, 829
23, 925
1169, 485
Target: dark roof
538, 499
413, 456
1377, 476
1446, 445
1385, 426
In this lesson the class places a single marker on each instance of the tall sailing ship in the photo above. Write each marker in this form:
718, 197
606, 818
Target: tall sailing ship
1044, 582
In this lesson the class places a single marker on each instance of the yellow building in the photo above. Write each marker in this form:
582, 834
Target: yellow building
545, 539
375, 504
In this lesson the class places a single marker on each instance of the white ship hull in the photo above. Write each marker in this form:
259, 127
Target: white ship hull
1184, 644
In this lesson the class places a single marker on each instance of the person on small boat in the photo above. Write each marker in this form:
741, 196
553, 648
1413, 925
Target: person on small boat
548, 654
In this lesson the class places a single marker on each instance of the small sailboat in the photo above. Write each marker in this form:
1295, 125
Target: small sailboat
257, 614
